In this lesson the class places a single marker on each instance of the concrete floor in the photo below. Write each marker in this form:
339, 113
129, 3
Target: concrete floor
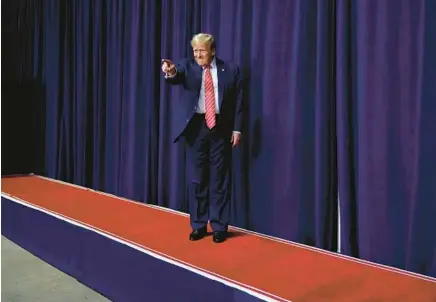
26, 278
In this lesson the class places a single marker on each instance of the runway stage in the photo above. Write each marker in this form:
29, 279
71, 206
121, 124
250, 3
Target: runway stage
131, 251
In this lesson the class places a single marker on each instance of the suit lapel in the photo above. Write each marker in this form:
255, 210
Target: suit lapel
198, 76
221, 73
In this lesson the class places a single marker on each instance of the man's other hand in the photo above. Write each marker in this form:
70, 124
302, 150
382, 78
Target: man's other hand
236, 138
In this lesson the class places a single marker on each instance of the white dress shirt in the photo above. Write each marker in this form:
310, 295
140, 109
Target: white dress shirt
202, 97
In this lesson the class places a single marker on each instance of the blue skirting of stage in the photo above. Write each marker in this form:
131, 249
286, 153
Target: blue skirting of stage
116, 270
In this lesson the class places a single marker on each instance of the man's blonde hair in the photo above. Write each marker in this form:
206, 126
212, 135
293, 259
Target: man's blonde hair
203, 38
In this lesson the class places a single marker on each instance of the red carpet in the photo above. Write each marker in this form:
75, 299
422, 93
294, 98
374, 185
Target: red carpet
278, 269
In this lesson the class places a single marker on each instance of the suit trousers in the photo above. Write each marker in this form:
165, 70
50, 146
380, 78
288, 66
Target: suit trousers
209, 154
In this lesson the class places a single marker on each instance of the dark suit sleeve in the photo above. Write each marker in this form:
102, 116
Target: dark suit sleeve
238, 94
179, 77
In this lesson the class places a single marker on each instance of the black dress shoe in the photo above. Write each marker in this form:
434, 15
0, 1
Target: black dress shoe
219, 237
198, 234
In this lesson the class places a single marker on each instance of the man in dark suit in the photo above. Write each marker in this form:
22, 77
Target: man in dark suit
210, 123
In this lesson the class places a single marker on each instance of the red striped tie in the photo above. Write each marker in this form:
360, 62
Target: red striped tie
209, 98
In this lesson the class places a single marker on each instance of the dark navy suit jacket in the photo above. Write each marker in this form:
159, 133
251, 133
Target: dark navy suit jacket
189, 74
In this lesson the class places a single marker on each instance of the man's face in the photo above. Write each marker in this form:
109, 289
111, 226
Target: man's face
203, 54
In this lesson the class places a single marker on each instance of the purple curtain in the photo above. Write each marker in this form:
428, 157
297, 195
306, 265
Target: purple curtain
386, 114
340, 97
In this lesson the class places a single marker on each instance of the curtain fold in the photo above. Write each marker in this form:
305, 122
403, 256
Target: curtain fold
386, 114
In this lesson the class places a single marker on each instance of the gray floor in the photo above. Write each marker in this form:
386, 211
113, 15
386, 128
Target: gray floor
25, 277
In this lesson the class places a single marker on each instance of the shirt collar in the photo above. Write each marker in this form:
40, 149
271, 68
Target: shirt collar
212, 64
